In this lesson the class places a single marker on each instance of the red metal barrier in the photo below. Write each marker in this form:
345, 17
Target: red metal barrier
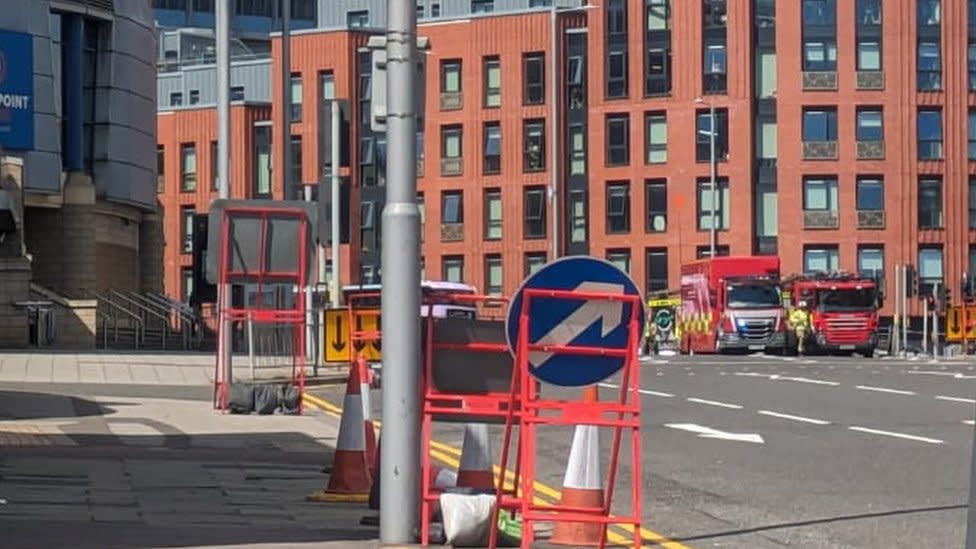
534, 410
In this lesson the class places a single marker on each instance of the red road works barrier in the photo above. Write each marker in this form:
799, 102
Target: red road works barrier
467, 379
574, 323
264, 263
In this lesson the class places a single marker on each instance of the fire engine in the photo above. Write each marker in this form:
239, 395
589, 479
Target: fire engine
731, 303
843, 310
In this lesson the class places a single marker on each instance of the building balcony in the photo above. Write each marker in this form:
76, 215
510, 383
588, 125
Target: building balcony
870, 219
452, 232
820, 150
451, 166
870, 80
870, 150
452, 101
820, 219
819, 80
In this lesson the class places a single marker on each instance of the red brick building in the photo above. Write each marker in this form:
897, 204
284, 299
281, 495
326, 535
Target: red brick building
838, 127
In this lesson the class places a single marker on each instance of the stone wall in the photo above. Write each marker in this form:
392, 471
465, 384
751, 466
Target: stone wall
15, 275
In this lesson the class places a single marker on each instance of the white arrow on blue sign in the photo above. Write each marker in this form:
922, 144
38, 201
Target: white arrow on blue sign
575, 322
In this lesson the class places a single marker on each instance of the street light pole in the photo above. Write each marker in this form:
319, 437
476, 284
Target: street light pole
711, 139
554, 131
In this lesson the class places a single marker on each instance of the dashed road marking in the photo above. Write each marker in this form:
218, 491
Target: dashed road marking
794, 418
956, 399
895, 435
885, 390
714, 403
969, 422
654, 393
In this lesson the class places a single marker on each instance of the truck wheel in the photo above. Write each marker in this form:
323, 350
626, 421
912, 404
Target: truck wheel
867, 352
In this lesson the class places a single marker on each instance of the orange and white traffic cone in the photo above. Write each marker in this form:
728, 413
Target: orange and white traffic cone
582, 485
350, 480
475, 470
369, 428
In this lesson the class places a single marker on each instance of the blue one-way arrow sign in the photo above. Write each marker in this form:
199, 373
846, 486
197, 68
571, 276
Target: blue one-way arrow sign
585, 323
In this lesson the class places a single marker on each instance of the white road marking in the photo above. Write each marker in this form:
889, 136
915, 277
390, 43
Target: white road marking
956, 399
814, 381
609, 385
969, 422
884, 390
655, 393
714, 403
708, 432
794, 418
896, 435
950, 374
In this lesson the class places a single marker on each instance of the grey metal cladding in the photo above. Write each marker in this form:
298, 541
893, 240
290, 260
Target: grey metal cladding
254, 76
333, 13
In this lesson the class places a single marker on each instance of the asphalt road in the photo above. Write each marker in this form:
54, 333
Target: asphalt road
813, 452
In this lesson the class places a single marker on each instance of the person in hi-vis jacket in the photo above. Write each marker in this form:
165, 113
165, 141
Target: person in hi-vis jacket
799, 321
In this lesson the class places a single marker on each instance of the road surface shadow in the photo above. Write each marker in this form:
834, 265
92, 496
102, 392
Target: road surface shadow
816, 522
15, 405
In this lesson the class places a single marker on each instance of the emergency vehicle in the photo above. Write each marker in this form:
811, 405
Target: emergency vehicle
435, 298
844, 310
731, 303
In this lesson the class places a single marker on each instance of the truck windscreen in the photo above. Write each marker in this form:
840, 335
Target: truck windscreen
758, 296
846, 300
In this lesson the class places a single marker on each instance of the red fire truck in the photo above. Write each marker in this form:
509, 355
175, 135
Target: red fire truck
731, 303
843, 310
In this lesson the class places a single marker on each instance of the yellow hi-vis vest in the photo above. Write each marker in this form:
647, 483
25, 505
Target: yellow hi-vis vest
798, 317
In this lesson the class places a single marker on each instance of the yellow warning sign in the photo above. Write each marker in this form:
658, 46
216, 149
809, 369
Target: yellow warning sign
337, 344
957, 318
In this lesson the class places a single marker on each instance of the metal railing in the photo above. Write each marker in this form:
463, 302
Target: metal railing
114, 311
145, 313
183, 316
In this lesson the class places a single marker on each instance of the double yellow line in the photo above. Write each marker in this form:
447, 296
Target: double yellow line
618, 534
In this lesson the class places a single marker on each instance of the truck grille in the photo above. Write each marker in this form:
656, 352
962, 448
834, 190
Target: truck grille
849, 329
756, 329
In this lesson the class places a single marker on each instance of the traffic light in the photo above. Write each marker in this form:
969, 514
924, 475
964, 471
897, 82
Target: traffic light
946, 298
910, 288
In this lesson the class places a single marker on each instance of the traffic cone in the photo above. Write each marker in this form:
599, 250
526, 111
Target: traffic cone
368, 426
350, 480
475, 470
582, 485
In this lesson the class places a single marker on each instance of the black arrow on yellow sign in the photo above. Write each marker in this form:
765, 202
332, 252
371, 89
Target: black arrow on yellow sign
337, 343
359, 344
954, 321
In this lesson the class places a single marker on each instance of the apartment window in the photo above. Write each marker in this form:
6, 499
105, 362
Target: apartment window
176, 99
929, 134
326, 85
820, 194
658, 14
870, 124
656, 137
493, 214
868, 34
820, 124
493, 81
656, 269
869, 194
452, 207
534, 261
535, 212
357, 19
451, 76
656, 205
213, 165
972, 203
482, 6
620, 258
930, 267
715, 68
616, 38
365, 98
262, 163
819, 35
714, 14
160, 168
870, 260
435, 10
453, 268
186, 275
575, 81
929, 65
703, 149
367, 226
618, 207
237, 93
296, 97
767, 147
706, 202
972, 66
930, 203
929, 13
820, 259
421, 12
618, 139
493, 148
451, 141
616, 74
577, 216
972, 134
658, 80
194, 97
534, 137
296, 160
766, 79
186, 228
577, 150
188, 167
493, 274
534, 75
422, 213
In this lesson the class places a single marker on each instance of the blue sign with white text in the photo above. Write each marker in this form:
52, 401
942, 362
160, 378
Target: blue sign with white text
16, 90
575, 322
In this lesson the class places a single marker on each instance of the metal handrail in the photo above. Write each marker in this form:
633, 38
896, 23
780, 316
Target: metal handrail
115, 325
140, 325
164, 320
176, 304
171, 306
186, 311
168, 310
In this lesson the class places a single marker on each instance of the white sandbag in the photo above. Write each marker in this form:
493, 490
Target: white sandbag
467, 519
